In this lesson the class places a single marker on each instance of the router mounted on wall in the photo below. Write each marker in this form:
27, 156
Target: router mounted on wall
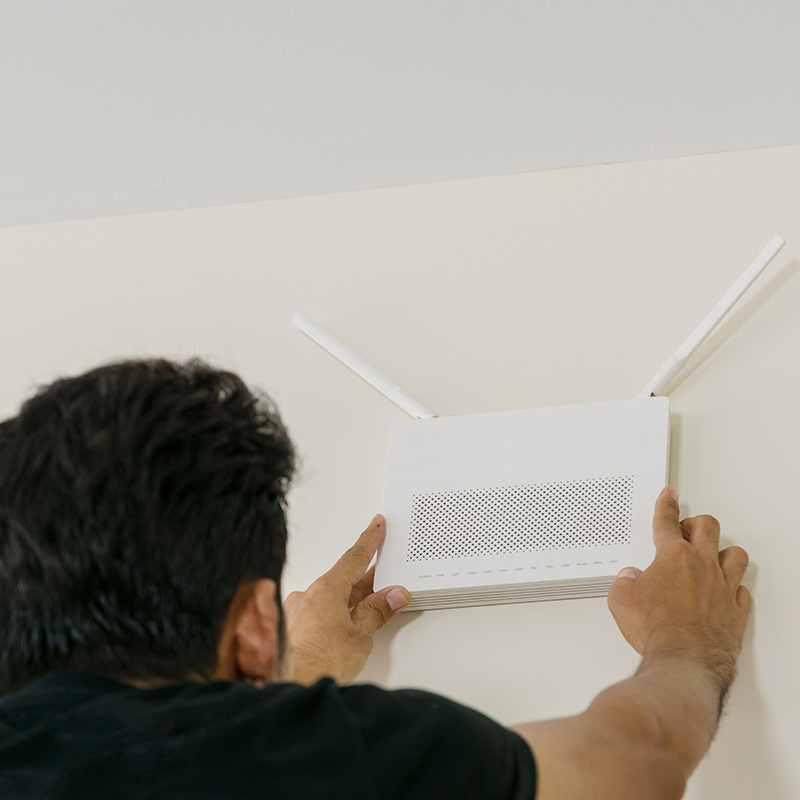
538, 504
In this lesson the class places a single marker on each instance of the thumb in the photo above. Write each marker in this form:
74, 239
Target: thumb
618, 593
619, 588
629, 572
374, 611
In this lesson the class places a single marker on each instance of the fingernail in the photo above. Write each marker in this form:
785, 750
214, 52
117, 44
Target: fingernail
397, 598
377, 519
628, 573
673, 494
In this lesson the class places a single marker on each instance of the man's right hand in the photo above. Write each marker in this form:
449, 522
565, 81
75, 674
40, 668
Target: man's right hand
644, 736
690, 600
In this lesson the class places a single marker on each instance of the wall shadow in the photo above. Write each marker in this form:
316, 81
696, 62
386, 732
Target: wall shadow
378, 666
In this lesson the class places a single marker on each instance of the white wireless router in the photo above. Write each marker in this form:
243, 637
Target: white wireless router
515, 506
537, 504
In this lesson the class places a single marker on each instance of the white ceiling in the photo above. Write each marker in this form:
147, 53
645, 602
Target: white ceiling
123, 107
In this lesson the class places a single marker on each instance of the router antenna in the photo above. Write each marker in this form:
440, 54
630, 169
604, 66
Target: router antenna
362, 368
676, 362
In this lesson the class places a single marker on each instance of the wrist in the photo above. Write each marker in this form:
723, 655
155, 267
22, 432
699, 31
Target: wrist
715, 663
308, 667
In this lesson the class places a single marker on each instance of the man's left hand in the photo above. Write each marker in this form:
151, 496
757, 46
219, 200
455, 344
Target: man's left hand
331, 624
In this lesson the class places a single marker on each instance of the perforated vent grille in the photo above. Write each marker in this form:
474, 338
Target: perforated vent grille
521, 519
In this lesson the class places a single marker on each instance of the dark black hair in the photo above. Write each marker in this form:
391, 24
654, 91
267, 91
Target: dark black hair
135, 499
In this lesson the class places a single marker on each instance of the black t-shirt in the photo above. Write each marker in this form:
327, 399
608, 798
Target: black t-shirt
68, 735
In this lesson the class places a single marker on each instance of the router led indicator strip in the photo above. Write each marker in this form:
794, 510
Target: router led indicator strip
518, 506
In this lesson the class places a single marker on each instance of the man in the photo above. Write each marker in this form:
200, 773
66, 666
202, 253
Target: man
145, 651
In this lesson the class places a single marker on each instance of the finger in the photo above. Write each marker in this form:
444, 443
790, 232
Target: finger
373, 612
734, 561
364, 587
703, 533
353, 564
743, 598
666, 527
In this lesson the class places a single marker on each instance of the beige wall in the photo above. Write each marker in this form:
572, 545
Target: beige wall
521, 291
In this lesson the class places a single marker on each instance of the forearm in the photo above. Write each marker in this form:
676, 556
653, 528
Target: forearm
640, 738
672, 703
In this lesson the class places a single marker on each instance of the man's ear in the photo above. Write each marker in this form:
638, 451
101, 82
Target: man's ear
255, 642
